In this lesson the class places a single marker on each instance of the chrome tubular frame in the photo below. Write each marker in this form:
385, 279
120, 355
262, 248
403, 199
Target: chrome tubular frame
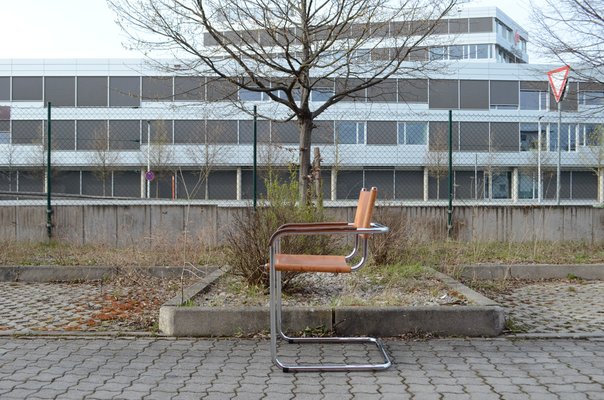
276, 329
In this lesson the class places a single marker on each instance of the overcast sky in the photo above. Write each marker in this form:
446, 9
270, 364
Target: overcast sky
86, 28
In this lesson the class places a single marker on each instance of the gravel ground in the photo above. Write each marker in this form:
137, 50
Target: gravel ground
335, 289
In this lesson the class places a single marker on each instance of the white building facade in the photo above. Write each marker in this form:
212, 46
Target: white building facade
113, 120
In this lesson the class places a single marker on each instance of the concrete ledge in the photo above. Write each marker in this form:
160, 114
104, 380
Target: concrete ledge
483, 318
529, 271
52, 273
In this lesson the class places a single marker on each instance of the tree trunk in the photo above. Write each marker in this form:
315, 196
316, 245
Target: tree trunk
304, 179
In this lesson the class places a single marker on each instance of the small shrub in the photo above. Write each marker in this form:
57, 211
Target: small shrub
248, 240
388, 248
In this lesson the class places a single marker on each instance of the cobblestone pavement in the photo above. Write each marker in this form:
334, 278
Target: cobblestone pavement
148, 368
555, 307
91, 307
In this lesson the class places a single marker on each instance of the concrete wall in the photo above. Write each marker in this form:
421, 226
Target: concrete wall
123, 225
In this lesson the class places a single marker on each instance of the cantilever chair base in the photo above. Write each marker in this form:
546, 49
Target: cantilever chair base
337, 367
361, 229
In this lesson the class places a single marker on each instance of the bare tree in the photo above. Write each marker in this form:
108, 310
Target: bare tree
103, 159
160, 156
287, 50
572, 31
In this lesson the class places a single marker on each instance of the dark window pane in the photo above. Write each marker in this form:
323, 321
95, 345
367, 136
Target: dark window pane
246, 131
413, 90
438, 140
189, 131
189, 88
221, 90
161, 186
350, 132
381, 132
474, 95
383, 92
416, 132
409, 185
4, 88
124, 91
124, 134
159, 131
504, 93
63, 134
323, 132
96, 183
127, 184
585, 185
8, 181
285, 132
27, 132
222, 185
438, 183
504, 136
4, 132
31, 182
464, 187
4, 113
383, 180
474, 136
91, 135
157, 88
479, 25
345, 85
67, 182
27, 88
349, 184
60, 91
443, 93
92, 91
458, 25
222, 131
191, 185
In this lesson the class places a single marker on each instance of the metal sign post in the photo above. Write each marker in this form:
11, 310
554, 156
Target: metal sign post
557, 80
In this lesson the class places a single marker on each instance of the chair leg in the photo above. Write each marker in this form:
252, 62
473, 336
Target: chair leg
276, 328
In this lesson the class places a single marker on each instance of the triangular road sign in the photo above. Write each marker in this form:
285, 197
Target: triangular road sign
557, 80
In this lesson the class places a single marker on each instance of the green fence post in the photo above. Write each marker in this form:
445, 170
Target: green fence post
255, 194
450, 207
48, 175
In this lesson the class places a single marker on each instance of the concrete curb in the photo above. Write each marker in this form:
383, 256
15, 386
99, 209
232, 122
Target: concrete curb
51, 273
530, 271
484, 318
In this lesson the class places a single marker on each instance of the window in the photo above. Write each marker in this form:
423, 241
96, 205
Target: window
158, 88
533, 100
591, 98
124, 91
438, 53
529, 136
59, 90
591, 135
189, 88
500, 185
124, 134
4, 88
321, 94
189, 131
412, 132
4, 132
92, 91
527, 185
27, 132
504, 95
413, 90
443, 93
474, 94
456, 52
250, 95
350, 132
91, 134
568, 139
27, 88
381, 132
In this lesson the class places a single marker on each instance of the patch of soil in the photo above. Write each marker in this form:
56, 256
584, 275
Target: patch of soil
334, 290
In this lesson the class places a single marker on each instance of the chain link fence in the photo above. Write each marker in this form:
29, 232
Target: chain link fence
196, 153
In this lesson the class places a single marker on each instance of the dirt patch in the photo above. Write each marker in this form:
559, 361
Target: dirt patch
335, 290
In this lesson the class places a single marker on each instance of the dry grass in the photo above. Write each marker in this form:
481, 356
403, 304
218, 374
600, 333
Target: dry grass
439, 255
65, 254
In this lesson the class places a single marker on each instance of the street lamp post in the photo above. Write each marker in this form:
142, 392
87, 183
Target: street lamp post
148, 157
